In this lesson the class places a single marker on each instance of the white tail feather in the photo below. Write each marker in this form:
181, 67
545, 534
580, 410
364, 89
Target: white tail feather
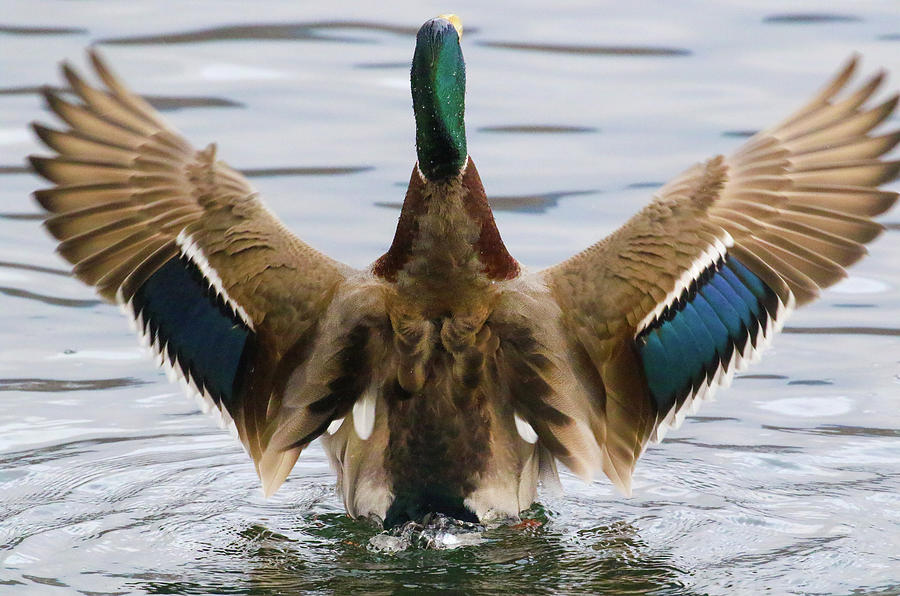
364, 414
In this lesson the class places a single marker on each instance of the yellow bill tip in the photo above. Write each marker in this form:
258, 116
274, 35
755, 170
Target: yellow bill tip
455, 21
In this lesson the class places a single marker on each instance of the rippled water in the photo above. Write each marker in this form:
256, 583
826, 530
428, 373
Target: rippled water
111, 482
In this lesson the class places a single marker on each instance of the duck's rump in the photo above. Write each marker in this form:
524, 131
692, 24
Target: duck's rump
438, 433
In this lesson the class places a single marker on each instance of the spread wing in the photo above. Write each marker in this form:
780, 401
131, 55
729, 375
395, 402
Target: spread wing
694, 286
225, 295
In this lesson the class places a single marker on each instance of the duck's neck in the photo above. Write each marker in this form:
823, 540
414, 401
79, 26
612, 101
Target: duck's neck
447, 243
447, 249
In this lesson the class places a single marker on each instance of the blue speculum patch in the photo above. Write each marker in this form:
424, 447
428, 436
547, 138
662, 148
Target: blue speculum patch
725, 308
211, 343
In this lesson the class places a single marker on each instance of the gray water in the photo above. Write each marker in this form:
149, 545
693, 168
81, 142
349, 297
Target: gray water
111, 482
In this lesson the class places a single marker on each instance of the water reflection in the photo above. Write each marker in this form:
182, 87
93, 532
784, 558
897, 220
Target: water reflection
35, 268
887, 331
756, 448
310, 31
305, 171
52, 300
56, 385
531, 203
810, 18
249, 172
739, 134
537, 129
760, 377
163, 103
839, 429
42, 30
330, 556
645, 185
170, 103
587, 49
382, 65
23, 216
68, 449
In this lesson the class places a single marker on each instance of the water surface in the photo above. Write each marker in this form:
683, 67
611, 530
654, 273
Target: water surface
112, 483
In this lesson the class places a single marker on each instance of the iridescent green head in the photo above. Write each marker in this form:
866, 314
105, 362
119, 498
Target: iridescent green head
438, 79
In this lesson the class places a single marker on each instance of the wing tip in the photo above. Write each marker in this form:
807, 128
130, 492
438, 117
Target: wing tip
43, 132
890, 173
890, 104
41, 165
44, 198
70, 74
98, 62
273, 468
621, 479
51, 97
851, 64
841, 77
889, 198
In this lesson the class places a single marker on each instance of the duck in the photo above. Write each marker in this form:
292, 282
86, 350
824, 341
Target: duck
446, 377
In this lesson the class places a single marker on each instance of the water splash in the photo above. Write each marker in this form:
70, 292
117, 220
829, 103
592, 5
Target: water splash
438, 532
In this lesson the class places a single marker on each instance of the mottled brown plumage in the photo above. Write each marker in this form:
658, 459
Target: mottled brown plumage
445, 377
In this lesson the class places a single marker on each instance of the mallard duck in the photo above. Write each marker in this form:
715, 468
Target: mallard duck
446, 377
